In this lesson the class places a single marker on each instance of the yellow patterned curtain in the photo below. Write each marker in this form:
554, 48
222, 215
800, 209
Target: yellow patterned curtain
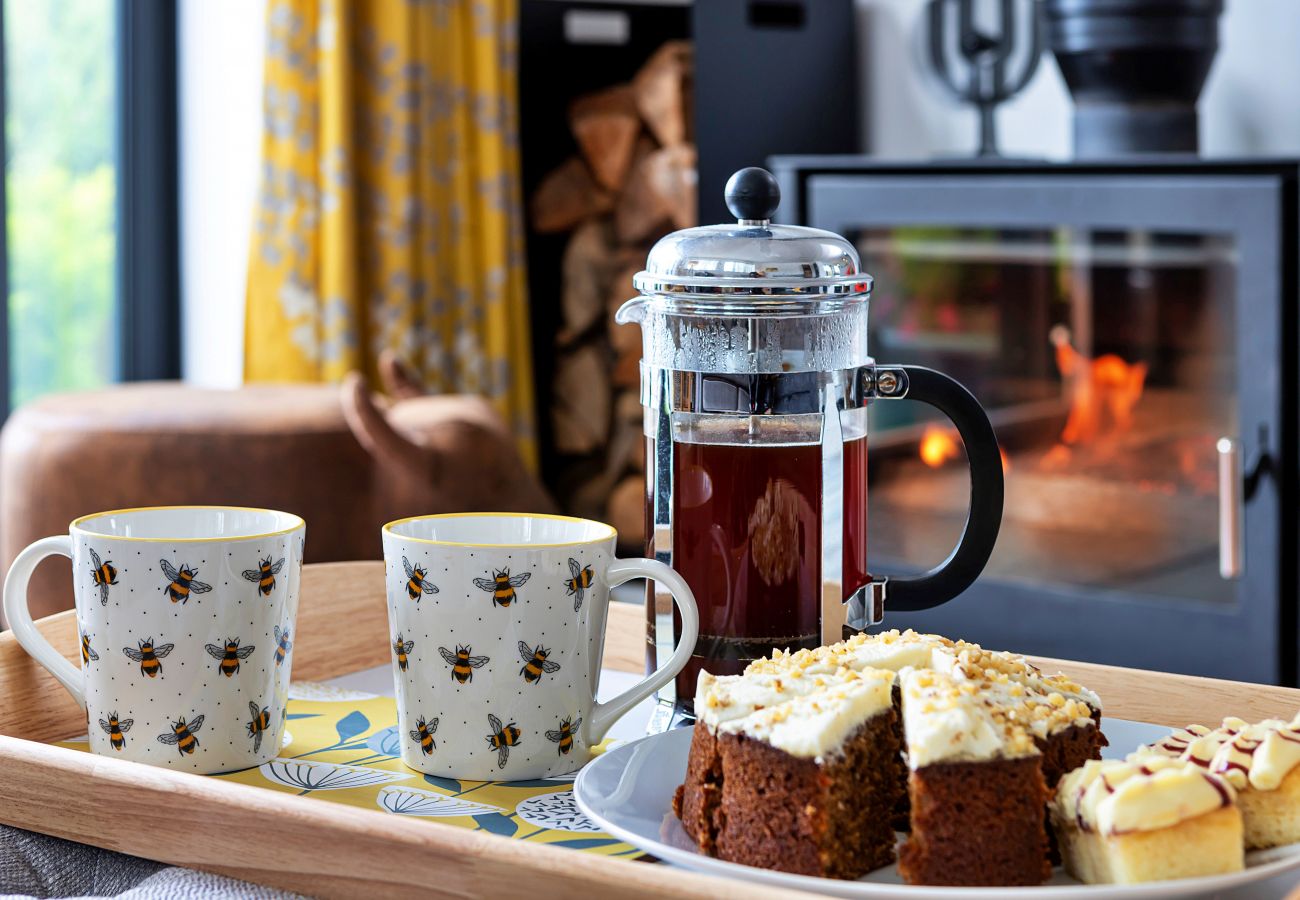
389, 215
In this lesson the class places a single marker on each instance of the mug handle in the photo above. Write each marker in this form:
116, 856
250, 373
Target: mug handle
19, 616
967, 560
603, 715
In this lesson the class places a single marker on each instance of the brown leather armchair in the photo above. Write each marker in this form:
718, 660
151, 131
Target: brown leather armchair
343, 460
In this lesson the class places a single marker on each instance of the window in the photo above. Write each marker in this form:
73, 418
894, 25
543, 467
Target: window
89, 195
61, 184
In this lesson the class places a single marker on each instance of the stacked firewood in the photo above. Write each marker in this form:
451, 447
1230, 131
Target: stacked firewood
631, 182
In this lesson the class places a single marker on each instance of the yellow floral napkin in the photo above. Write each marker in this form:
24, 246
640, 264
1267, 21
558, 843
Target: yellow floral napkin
348, 751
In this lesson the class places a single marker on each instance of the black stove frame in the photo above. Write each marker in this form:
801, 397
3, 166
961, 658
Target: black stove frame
1254, 637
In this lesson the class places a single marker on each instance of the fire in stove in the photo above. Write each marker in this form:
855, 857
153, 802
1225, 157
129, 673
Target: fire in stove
1103, 391
938, 445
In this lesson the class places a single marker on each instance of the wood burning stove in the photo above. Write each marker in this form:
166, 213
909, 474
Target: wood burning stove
1131, 328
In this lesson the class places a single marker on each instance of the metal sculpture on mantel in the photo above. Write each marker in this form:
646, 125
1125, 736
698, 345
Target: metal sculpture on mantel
989, 51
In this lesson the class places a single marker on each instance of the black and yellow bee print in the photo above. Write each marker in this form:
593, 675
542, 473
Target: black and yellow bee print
577, 585
462, 663
182, 735
401, 648
423, 733
417, 581
282, 644
181, 584
229, 655
502, 586
148, 656
502, 738
116, 730
88, 654
536, 662
103, 574
564, 735
258, 725
264, 575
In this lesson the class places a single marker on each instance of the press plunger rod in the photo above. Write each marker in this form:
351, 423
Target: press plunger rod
752, 195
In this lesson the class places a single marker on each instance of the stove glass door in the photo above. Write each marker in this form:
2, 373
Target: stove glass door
1106, 361
1123, 330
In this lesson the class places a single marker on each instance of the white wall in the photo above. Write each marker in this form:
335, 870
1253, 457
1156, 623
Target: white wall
1250, 106
220, 48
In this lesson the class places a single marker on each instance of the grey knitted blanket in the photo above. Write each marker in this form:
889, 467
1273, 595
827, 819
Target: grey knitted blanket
36, 865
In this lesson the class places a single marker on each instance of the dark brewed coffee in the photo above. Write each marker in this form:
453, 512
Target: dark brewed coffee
747, 525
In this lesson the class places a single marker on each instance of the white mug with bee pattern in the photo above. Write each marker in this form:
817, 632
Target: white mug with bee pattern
497, 628
185, 617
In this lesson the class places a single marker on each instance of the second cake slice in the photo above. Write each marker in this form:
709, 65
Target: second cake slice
809, 781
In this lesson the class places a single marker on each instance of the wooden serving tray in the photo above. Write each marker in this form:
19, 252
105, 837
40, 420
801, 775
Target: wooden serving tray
330, 850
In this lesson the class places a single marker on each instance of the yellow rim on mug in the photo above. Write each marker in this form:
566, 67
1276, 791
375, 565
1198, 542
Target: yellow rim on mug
611, 531
300, 523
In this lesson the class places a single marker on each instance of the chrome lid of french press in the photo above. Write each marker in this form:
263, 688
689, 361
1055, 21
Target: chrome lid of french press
763, 267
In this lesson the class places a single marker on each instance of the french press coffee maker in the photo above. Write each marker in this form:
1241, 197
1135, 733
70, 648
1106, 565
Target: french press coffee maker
755, 384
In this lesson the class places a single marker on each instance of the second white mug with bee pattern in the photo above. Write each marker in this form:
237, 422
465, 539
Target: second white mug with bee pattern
186, 618
497, 628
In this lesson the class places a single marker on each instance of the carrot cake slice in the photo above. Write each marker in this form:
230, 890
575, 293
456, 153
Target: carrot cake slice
976, 786
1261, 762
721, 700
1067, 716
1066, 745
803, 783
769, 780
1149, 818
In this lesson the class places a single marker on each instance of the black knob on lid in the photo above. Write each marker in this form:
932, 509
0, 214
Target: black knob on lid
752, 194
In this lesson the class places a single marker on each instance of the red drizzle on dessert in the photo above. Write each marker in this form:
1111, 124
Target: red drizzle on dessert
1177, 742
1218, 784
1238, 757
1078, 808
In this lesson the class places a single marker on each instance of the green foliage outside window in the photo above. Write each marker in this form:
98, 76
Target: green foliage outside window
61, 183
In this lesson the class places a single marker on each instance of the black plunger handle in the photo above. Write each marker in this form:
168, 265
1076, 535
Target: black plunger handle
965, 563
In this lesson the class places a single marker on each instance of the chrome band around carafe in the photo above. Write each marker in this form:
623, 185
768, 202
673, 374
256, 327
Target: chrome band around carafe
769, 393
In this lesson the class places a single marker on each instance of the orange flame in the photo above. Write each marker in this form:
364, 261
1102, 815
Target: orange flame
1057, 458
1103, 391
937, 446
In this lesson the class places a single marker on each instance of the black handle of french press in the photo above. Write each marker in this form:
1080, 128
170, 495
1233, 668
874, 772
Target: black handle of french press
965, 563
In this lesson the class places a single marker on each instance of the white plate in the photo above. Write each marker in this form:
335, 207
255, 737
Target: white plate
628, 792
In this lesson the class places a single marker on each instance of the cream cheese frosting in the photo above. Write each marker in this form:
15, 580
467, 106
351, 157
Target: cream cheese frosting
892, 650
805, 714
1251, 757
1139, 794
950, 720
897, 650
816, 725
723, 698
965, 703
972, 661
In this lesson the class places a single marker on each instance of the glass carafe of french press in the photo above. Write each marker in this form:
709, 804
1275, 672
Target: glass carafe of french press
755, 383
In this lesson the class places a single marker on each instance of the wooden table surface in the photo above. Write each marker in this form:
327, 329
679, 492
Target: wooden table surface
1143, 696
327, 850
351, 595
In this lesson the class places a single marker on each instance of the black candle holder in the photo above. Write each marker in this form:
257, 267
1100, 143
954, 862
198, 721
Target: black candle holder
989, 54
